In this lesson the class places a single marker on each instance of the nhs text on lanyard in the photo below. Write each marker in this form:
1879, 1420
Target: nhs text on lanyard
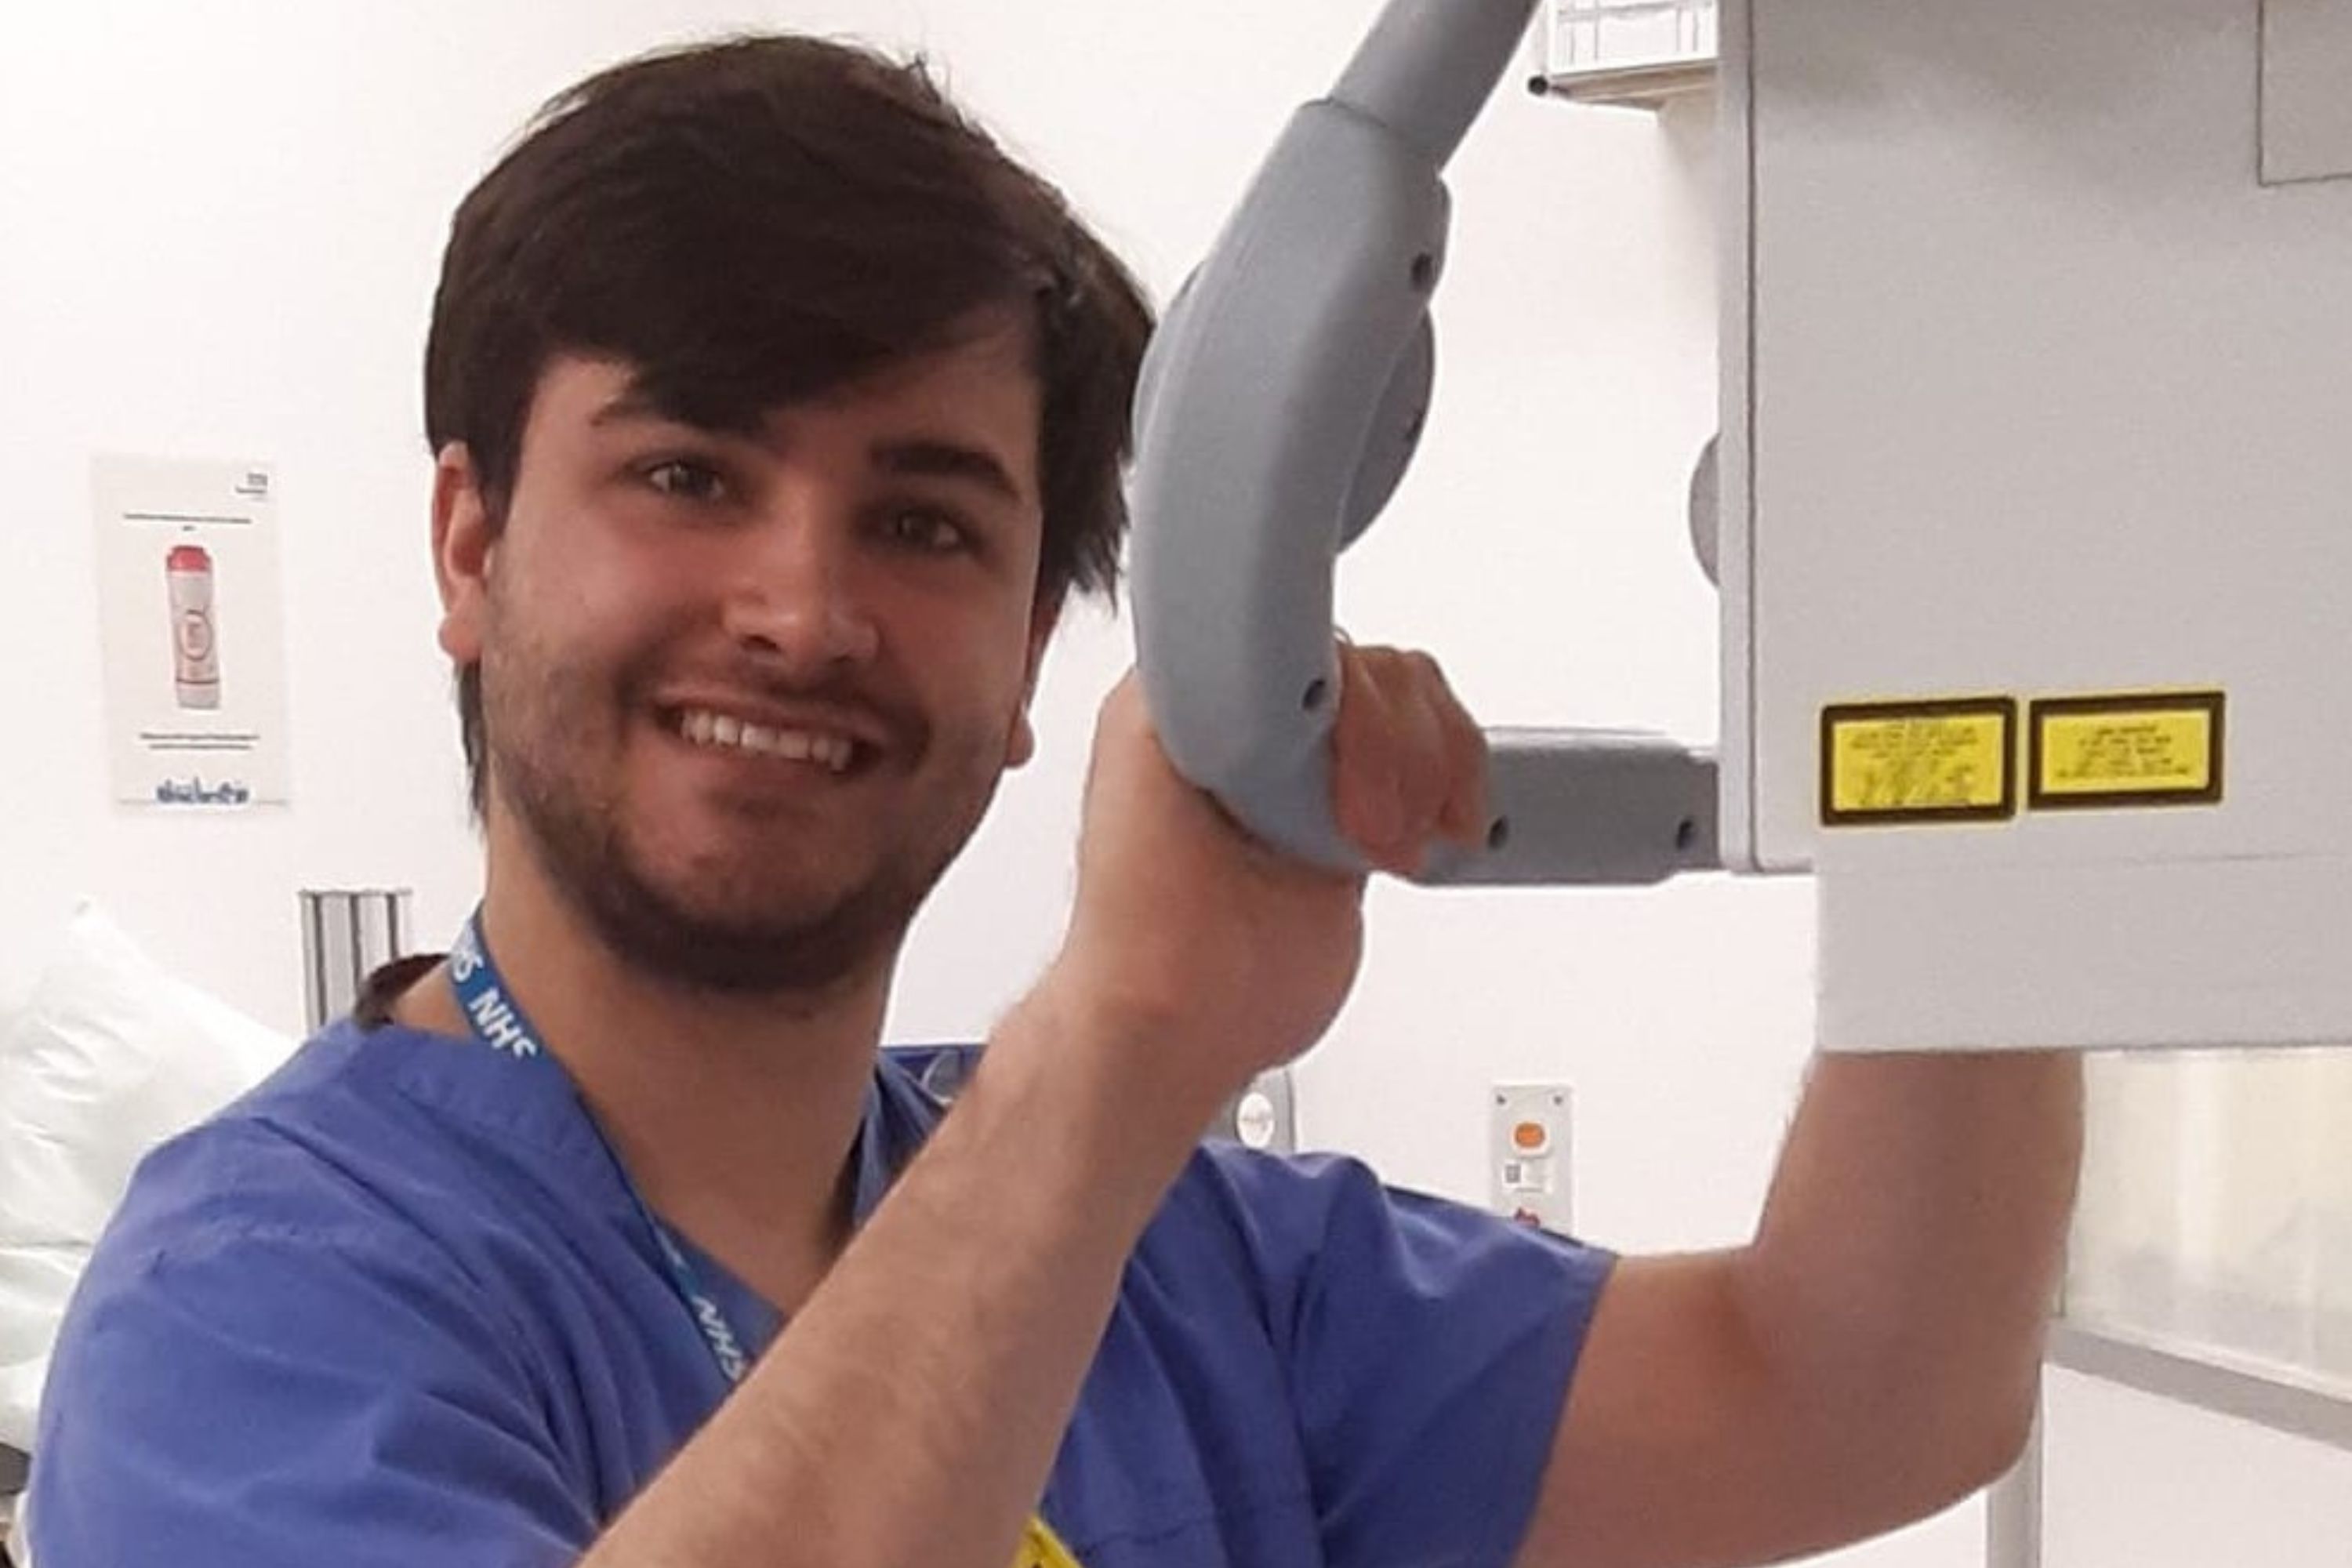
499, 1022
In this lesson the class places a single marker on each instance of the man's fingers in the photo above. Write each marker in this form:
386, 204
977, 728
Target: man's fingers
1469, 805
1426, 765
1367, 796
1409, 761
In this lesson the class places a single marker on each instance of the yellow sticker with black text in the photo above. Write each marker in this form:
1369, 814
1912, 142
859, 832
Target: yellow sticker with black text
1943, 759
2145, 749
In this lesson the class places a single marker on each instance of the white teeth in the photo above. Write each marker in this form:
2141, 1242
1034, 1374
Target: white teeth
705, 728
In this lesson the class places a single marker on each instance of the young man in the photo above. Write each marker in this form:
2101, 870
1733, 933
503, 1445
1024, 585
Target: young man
776, 413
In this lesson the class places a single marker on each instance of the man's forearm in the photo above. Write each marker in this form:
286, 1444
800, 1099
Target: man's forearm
1911, 1248
910, 1412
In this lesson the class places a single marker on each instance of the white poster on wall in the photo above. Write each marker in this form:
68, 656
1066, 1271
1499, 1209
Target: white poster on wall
195, 642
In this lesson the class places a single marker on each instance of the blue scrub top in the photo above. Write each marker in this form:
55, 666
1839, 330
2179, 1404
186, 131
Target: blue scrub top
396, 1307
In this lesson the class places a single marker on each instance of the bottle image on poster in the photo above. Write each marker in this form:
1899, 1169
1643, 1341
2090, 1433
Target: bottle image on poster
195, 644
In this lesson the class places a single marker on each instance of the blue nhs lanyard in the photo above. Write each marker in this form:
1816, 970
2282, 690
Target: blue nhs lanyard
499, 1022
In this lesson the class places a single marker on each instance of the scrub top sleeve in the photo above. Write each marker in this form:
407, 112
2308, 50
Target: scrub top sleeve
261, 1400
1430, 1346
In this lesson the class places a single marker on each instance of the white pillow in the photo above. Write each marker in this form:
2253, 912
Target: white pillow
109, 1057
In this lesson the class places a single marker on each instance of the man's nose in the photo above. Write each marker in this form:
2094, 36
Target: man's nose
797, 599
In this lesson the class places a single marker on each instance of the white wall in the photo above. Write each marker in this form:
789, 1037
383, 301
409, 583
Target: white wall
218, 232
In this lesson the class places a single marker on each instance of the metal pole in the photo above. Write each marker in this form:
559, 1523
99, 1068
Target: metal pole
347, 934
2013, 1506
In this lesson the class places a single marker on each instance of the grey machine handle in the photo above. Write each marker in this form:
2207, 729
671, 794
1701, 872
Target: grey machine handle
1279, 406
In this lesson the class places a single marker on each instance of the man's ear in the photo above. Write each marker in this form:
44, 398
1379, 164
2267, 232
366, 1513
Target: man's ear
1022, 744
463, 532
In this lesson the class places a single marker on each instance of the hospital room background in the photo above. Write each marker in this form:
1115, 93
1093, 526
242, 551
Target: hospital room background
219, 228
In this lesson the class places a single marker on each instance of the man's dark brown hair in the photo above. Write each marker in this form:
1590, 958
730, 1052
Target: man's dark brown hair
753, 222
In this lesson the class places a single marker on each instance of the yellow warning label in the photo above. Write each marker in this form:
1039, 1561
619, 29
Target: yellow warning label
1918, 762
2162, 749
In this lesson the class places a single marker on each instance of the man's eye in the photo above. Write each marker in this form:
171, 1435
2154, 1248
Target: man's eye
683, 480
932, 531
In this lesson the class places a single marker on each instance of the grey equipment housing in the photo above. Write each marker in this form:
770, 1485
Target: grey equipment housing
1280, 404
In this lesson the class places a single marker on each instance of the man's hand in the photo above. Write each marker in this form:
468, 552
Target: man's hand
1215, 956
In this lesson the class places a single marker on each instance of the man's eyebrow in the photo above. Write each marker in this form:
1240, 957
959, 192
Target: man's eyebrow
636, 405
932, 457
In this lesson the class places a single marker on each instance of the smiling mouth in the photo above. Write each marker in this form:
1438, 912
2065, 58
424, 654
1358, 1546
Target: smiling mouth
724, 732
